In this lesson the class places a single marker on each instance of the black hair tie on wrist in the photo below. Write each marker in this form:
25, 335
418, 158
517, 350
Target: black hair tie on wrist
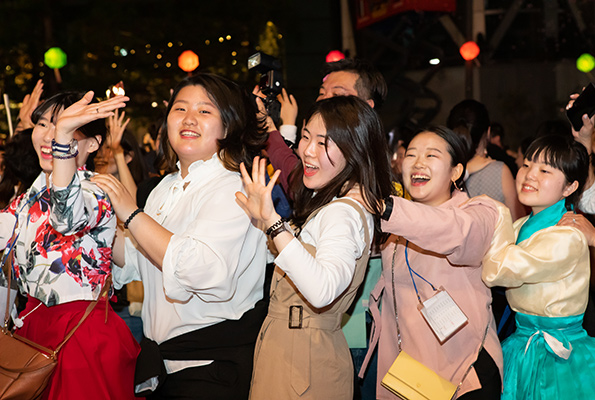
134, 214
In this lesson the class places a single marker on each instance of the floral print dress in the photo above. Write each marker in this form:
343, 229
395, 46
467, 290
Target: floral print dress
64, 239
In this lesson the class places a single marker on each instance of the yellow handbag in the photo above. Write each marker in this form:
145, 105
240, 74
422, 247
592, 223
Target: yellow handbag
409, 379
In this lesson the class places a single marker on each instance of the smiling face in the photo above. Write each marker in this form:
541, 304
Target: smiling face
321, 163
42, 136
427, 170
193, 126
540, 185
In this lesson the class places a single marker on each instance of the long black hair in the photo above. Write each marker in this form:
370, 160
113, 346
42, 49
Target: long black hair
356, 130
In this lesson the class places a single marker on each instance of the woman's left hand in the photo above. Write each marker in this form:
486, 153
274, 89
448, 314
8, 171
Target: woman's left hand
82, 112
258, 202
581, 223
121, 199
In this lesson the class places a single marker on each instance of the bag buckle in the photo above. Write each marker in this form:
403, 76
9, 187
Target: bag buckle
296, 314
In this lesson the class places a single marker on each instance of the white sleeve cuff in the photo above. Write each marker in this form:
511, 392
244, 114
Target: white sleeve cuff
289, 132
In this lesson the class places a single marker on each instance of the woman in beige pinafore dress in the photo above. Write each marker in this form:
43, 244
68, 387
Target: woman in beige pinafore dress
301, 352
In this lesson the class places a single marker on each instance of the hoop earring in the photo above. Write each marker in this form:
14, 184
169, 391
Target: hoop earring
456, 187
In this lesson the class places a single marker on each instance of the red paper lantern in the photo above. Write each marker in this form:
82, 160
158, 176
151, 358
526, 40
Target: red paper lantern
469, 50
334, 55
188, 61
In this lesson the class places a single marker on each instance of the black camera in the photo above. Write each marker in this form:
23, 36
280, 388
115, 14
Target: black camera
270, 83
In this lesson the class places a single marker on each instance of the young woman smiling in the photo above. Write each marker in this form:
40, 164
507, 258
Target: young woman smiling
543, 260
64, 231
301, 351
200, 258
437, 244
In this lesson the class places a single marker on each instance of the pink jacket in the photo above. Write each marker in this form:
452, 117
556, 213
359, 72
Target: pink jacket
447, 244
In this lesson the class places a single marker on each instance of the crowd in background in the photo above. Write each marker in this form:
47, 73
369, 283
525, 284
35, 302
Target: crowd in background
299, 261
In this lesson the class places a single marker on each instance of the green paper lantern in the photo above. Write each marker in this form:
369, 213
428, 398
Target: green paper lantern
585, 63
55, 58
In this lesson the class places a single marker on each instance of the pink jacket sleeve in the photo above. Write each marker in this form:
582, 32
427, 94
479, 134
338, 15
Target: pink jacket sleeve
462, 231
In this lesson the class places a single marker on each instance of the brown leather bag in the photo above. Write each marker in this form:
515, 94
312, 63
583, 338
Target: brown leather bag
25, 366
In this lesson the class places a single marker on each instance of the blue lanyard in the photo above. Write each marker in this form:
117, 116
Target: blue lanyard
411, 272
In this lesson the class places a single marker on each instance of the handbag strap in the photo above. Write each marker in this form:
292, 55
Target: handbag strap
104, 290
106, 286
8, 261
399, 331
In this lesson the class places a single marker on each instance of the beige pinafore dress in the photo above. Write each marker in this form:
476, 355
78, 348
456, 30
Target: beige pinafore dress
301, 352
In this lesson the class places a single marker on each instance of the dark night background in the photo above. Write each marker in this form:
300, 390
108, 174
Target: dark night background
524, 80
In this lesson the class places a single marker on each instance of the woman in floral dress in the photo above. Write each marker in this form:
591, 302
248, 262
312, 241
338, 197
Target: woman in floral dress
61, 232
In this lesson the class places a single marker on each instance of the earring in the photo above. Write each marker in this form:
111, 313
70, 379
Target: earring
456, 187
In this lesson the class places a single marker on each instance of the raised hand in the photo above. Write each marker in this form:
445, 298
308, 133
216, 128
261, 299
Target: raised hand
262, 111
82, 112
289, 108
116, 129
257, 202
30, 103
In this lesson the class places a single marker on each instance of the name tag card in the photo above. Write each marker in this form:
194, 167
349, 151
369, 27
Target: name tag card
443, 315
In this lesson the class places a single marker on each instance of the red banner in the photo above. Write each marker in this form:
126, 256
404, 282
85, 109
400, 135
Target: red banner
371, 11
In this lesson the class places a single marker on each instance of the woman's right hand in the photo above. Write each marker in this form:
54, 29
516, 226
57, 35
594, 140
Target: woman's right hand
258, 201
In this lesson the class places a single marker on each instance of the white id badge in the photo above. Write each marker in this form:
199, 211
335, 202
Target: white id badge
443, 315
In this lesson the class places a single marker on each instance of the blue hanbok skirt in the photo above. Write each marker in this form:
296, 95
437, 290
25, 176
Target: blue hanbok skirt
549, 358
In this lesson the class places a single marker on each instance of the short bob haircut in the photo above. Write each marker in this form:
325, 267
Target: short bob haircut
244, 137
457, 149
566, 155
356, 130
59, 102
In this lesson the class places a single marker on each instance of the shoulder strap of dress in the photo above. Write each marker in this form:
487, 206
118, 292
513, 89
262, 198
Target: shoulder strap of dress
357, 208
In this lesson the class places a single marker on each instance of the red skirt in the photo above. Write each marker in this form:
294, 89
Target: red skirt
99, 359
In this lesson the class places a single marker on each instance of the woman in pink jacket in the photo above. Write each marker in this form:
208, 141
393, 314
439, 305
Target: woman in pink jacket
438, 241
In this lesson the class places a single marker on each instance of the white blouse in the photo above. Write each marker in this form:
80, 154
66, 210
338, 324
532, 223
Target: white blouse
213, 269
337, 232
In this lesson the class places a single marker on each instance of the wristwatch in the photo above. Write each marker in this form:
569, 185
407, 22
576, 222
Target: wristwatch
65, 151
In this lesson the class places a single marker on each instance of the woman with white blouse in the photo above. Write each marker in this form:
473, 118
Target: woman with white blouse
301, 351
200, 258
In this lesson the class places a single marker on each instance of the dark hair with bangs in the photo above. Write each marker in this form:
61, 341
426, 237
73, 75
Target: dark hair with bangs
457, 149
565, 154
356, 130
244, 137
57, 103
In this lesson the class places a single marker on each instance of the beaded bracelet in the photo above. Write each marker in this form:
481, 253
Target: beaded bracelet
134, 214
